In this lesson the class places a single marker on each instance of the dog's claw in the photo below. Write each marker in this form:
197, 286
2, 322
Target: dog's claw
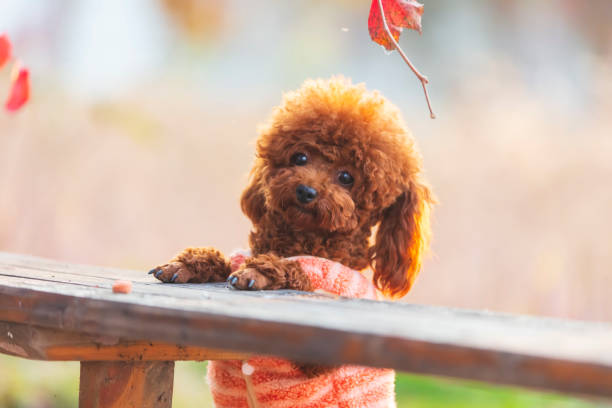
251, 283
174, 277
159, 272
152, 271
234, 280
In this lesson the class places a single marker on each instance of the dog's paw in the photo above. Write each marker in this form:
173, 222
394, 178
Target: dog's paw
173, 272
249, 279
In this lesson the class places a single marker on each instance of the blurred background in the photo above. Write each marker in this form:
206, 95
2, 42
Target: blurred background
139, 137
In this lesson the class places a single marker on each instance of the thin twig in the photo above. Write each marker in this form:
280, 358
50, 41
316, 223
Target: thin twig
422, 78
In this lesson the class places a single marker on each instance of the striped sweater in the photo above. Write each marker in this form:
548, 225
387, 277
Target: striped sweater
268, 382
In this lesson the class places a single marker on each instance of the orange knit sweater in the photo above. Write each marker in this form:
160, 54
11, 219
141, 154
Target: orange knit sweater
268, 382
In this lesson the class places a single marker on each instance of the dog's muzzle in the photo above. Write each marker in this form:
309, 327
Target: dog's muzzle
305, 194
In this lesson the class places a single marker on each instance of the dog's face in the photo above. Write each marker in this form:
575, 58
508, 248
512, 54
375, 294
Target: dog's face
337, 159
313, 190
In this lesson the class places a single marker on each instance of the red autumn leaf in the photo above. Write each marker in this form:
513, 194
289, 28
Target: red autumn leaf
5, 49
20, 91
399, 14
387, 20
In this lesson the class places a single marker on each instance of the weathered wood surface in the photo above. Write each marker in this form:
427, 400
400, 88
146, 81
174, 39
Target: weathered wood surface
120, 384
41, 343
569, 356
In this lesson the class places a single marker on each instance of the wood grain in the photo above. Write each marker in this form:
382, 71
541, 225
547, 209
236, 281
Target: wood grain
41, 343
570, 356
121, 384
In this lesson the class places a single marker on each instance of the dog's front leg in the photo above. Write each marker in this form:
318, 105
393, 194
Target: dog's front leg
267, 271
272, 272
194, 265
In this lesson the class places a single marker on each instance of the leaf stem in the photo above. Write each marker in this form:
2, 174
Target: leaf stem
421, 77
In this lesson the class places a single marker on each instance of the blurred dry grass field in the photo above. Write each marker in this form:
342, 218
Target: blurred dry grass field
523, 223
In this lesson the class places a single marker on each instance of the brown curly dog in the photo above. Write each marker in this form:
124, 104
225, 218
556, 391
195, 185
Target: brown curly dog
333, 162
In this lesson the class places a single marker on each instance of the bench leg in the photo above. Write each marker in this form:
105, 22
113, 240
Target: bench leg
114, 384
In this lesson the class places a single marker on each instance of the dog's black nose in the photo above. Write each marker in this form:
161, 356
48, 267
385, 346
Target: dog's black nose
305, 194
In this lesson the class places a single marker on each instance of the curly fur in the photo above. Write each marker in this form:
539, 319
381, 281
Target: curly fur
340, 127
288, 276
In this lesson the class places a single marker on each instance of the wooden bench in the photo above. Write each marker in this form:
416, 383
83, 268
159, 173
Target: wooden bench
127, 343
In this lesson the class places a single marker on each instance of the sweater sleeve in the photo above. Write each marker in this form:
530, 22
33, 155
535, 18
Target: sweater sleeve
237, 258
335, 278
325, 275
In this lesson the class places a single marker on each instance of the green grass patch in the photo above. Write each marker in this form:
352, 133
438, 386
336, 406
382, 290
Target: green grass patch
428, 392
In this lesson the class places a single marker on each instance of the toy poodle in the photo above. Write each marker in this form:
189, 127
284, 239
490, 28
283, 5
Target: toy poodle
335, 189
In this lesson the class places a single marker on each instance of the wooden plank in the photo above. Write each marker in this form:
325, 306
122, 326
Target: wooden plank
119, 384
569, 356
24, 263
40, 343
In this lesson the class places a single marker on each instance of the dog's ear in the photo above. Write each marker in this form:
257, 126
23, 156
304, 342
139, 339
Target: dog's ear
401, 240
253, 200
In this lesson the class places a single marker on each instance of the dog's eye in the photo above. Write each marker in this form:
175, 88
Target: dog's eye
299, 159
345, 178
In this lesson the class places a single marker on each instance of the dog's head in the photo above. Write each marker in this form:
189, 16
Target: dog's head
336, 159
